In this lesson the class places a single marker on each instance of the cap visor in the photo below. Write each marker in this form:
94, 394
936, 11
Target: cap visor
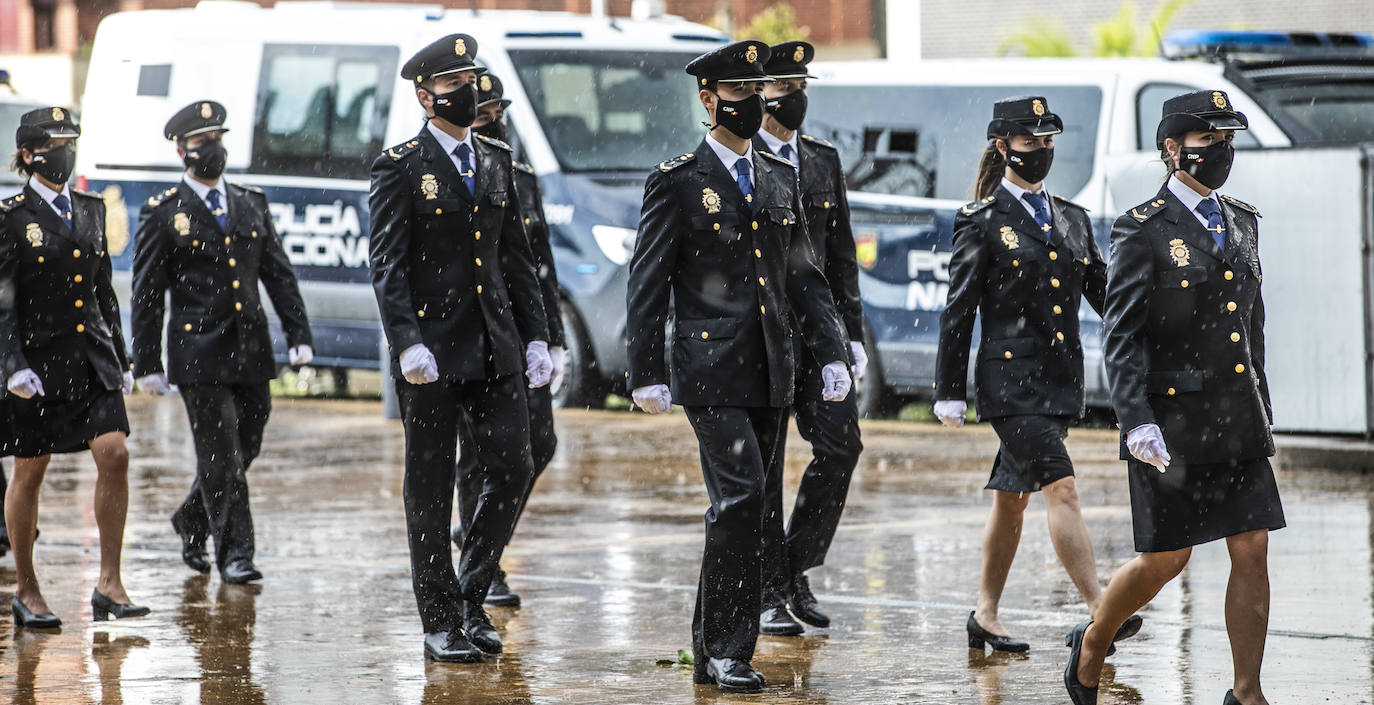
60, 134
203, 130
1042, 130
479, 70
505, 102
749, 79
1226, 122
781, 76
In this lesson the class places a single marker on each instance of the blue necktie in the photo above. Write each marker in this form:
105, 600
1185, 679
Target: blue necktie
1042, 213
217, 209
746, 186
786, 153
465, 164
1215, 225
64, 206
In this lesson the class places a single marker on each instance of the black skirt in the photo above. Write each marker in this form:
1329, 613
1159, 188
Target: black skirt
1032, 454
43, 426
1193, 504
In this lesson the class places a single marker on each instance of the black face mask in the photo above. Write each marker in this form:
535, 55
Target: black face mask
207, 159
494, 129
1033, 166
742, 118
789, 110
458, 106
1210, 165
56, 164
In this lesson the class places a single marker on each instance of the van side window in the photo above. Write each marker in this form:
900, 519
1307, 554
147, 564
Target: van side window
1150, 101
320, 111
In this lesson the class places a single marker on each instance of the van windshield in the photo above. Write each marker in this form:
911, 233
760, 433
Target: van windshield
1318, 104
9, 122
926, 141
612, 110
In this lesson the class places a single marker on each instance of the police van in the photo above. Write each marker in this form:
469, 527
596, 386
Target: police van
313, 95
910, 136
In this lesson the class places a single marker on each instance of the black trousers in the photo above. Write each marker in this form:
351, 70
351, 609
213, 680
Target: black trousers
738, 446
431, 414
227, 421
543, 443
832, 429
4, 487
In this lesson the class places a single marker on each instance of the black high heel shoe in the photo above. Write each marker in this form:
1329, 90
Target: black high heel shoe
978, 637
1078, 693
104, 607
24, 617
1231, 699
1128, 629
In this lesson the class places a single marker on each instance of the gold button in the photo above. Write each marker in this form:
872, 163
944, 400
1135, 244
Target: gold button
1006, 354
80, 328
760, 281
1230, 305
758, 254
438, 211
420, 313
784, 221
826, 204
763, 310
755, 225
1085, 260
194, 243
474, 209
188, 327
503, 204
715, 226
1054, 256
1172, 391
233, 262
255, 233
236, 283
1229, 275
1054, 282
226, 241
1240, 369
1057, 310
1235, 337
77, 279
40, 259
238, 306
477, 235
1060, 336
479, 261
479, 288
79, 303
705, 335
527, 221
1184, 283
1016, 263
76, 253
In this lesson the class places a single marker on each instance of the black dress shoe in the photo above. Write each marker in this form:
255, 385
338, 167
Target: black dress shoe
104, 607
451, 647
803, 603
775, 621
1078, 693
477, 624
978, 637
192, 548
730, 675
500, 594
24, 617
239, 572
1128, 629
1230, 699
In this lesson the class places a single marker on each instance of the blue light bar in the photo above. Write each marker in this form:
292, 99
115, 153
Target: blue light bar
544, 35
1200, 43
701, 38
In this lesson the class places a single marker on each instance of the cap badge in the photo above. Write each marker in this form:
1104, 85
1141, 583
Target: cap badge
429, 186
485, 85
711, 200
1219, 100
752, 54
181, 223
798, 55
57, 114
1178, 252
460, 47
205, 110
35, 234
1009, 238
1037, 107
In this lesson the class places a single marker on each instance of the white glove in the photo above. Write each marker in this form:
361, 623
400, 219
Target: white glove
951, 412
25, 384
835, 381
860, 359
559, 357
538, 364
1146, 443
300, 355
154, 384
653, 399
126, 385
418, 365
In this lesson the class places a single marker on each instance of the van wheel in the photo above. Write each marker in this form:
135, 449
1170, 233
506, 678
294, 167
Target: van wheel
580, 386
875, 400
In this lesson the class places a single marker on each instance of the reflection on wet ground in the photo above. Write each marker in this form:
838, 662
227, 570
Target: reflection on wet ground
606, 561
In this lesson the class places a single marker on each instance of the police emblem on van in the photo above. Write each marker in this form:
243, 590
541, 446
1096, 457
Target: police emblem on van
1179, 252
429, 187
1010, 238
866, 249
34, 233
711, 200
181, 223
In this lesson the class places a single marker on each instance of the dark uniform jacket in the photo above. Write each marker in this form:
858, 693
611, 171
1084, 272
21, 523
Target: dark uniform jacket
737, 275
1028, 289
58, 311
453, 271
217, 332
1185, 331
825, 201
537, 230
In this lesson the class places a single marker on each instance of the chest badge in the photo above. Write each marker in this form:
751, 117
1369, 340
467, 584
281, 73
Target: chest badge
34, 233
429, 186
1179, 252
711, 200
1010, 238
181, 223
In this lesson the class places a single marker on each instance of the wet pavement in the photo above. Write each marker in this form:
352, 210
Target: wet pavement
606, 560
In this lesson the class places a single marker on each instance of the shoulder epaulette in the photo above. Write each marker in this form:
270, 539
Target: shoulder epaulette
1242, 204
11, 202
493, 142
974, 206
158, 198
521, 166
1067, 202
1147, 210
676, 162
775, 158
400, 150
246, 187
819, 141
87, 194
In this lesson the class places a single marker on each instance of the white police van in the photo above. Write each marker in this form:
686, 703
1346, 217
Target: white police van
910, 136
12, 106
313, 95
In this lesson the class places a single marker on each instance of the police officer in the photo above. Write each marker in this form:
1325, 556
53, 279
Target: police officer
1185, 358
832, 429
62, 356
491, 122
723, 234
211, 243
1025, 260
460, 305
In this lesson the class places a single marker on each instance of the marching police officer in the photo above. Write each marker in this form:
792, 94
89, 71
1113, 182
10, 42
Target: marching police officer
832, 429
210, 243
491, 122
460, 305
1185, 357
723, 233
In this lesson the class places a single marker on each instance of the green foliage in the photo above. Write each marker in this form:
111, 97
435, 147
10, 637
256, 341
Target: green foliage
1042, 38
1122, 35
776, 24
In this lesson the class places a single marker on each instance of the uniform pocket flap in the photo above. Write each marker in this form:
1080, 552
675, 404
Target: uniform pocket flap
427, 307
39, 338
497, 198
1008, 349
781, 216
706, 328
1171, 383
709, 221
1181, 278
819, 199
440, 206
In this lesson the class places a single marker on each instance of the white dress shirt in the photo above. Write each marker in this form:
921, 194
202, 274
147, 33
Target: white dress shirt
203, 191
775, 145
1018, 192
49, 194
1190, 198
449, 145
729, 158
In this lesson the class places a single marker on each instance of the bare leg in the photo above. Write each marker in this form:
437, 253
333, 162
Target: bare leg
1133, 586
1247, 611
21, 519
1001, 537
111, 506
1071, 543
